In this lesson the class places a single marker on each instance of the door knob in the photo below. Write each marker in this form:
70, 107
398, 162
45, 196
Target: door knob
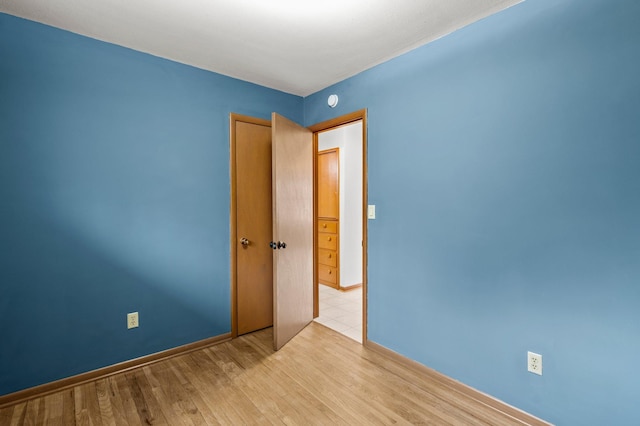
278, 245
244, 242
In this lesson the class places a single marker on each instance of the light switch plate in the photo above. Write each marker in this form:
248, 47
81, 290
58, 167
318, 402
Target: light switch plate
371, 211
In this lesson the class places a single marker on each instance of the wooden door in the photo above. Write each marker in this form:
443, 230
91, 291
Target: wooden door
292, 198
254, 258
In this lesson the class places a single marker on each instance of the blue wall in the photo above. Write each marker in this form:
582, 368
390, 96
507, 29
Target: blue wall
504, 161
114, 197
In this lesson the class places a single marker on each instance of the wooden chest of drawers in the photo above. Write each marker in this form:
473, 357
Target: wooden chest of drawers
328, 253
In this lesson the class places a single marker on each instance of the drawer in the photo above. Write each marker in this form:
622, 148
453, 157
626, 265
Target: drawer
327, 226
327, 273
327, 257
328, 241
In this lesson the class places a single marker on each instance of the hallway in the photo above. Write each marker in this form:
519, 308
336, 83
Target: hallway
341, 311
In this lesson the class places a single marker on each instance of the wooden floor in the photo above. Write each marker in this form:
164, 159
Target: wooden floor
320, 377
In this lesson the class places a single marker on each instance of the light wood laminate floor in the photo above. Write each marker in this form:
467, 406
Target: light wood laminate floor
320, 377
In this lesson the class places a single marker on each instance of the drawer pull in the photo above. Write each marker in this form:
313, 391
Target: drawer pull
324, 225
328, 238
329, 255
329, 271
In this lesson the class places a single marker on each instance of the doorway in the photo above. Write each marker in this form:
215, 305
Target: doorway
340, 146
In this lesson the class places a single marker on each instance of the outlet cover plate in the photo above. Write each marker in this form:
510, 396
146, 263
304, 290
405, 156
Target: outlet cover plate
132, 320
534, 363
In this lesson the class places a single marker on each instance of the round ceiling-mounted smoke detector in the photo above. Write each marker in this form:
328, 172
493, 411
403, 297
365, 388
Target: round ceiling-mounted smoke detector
332, 101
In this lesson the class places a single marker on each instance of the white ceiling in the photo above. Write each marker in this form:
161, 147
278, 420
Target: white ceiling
296, 46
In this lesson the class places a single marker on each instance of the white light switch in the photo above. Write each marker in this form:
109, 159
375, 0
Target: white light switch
371, 211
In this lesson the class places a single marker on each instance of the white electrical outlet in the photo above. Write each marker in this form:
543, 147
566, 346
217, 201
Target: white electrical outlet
534, 363
132, 320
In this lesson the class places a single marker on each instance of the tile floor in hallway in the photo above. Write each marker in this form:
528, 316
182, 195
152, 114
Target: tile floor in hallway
341, 311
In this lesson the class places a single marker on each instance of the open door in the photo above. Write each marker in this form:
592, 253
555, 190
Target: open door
292, 191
